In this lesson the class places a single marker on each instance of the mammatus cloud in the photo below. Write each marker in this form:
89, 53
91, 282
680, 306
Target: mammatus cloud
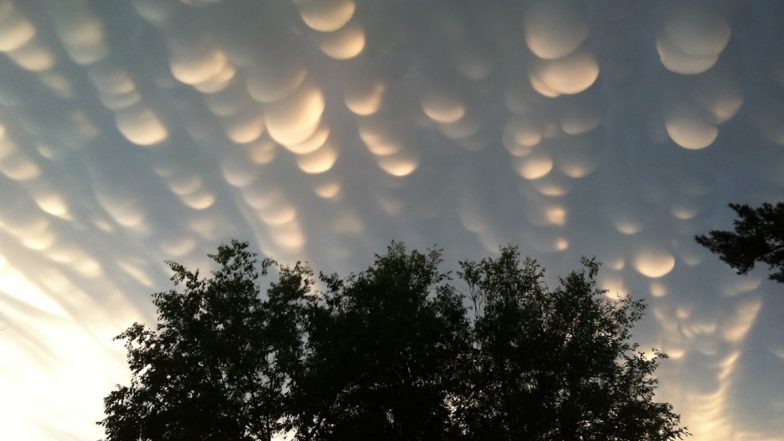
132, 132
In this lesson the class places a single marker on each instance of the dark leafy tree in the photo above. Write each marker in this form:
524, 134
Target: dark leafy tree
758, 238
217, 364
558, 364
391, 353
383, 353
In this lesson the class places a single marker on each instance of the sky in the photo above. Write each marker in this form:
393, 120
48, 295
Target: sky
137, 131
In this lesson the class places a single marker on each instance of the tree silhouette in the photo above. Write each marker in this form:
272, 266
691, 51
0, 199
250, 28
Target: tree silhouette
758, 237
391, 353
558, 364
383, 355
217, 363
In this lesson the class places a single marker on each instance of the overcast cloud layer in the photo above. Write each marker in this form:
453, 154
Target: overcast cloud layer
137, 131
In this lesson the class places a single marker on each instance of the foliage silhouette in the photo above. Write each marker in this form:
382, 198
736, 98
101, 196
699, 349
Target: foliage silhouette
558, 364
384, 348
758, 237
218, 362
391, 353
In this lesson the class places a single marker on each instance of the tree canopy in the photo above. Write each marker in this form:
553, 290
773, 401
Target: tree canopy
400, 351
758, 237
